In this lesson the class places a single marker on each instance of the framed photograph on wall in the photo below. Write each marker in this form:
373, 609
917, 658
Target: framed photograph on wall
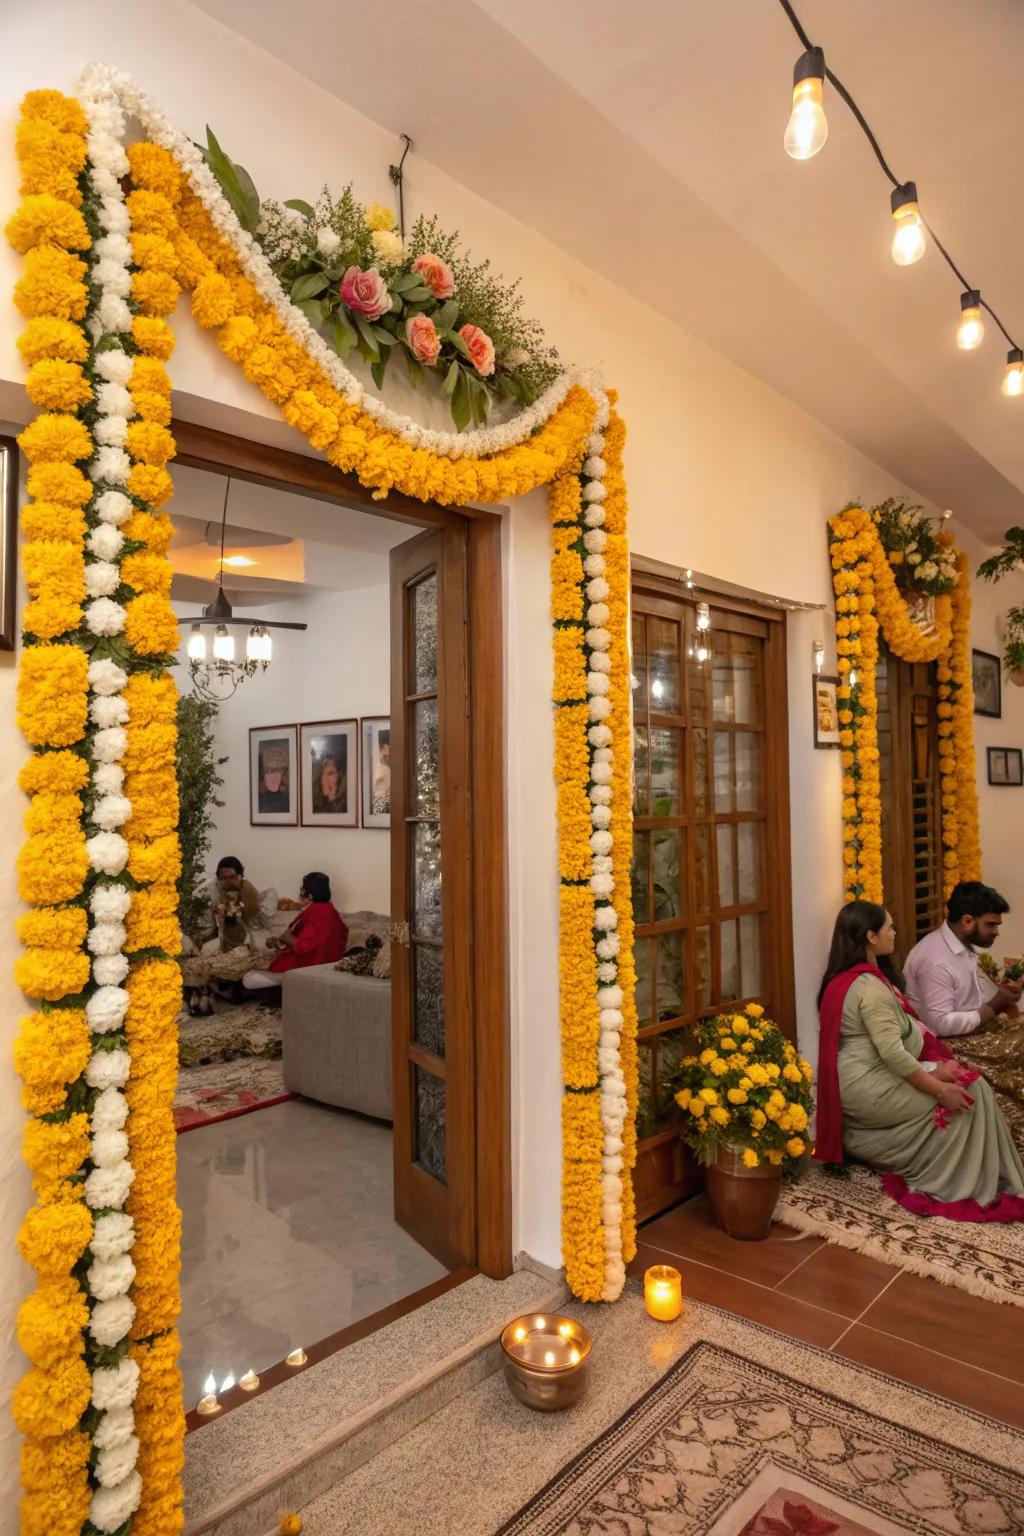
376, 771
987, 677
1006, 767
826, 711
8, 540
273, 776
329, 769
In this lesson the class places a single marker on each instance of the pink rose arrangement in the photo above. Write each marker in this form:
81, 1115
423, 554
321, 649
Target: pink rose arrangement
436, 274
365, 292
480, 347
422, 340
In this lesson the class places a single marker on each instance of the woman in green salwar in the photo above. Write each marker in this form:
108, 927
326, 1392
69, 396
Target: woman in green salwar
891, 1095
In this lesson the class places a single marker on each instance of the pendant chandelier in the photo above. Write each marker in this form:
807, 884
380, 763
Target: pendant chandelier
217, 671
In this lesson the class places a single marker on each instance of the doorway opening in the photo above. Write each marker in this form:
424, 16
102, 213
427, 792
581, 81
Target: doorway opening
365, 1184
908, 748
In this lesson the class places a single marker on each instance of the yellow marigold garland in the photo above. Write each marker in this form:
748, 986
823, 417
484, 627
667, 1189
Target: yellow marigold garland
868, 601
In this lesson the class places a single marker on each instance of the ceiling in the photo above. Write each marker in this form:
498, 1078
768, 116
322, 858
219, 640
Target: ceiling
676, 111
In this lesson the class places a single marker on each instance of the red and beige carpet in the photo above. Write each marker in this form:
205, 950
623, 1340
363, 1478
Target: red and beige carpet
229, 1064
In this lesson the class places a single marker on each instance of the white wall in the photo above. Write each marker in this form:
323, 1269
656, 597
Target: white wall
337, 669
724, 475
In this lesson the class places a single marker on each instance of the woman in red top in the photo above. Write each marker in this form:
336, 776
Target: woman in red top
316, 937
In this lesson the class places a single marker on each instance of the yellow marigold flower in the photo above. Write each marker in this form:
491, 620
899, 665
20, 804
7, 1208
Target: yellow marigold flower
156, 293
748, 1046
805, 1068
757, 1074
150, 444
683, 1097
719, 1067
51, 694
147, 572
150, 483
57, 569
791, 1073
720, 1116
63, 112
51, 974
774, 1156
709, 1095
758, 1119
697, 1107
53, 1238
746, 1082
707, 1057
49, 1403
43, 219
56, 772
777, 1098
736, 1096
58, 1463
152, 213
49, 522
50, 617
151, 699
151, 625
47, 338
738, 1062
798, 1116
740, 1025
153, 337
750, 1158
728, 1044
771, 1110
795, 1147
773, 1071
154, 253
51, 1051
156, 169
213, 300
157, 862
54, 1152
152, 407
51, 1322
52, 283
755, 1010
52, 866
379, 217
56, 439
62, 483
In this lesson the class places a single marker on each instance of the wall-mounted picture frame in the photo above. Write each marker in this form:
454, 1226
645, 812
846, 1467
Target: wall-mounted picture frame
375, 731
825, 696
273, 776
987, 678
329, 773
8, 542
1006, 767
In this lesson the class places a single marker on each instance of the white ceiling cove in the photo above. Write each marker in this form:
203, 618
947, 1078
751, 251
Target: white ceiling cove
782, 267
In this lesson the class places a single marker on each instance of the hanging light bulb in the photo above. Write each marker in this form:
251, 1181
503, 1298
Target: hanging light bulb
971, 329
908, 241
1013, 378
702, 651
807, 128
196, 644
223, 644
819, 655
258, 647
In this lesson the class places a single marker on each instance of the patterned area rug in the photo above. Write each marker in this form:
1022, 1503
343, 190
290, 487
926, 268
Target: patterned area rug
984, 1258
723, 1445
230, 1064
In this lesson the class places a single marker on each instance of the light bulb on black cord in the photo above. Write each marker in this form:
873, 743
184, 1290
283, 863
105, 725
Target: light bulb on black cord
1013, 378
807, 128
196, 644
971, 329
908, 243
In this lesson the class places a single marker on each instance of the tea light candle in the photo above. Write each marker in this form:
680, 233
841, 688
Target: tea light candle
297, 1357
207, 1405
663, 1292
249, 1382
546, 1359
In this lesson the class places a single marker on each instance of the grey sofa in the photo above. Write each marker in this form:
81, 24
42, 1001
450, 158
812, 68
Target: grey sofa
336, 1031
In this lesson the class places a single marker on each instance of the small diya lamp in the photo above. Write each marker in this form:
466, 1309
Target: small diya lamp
663, 1292
546, 1359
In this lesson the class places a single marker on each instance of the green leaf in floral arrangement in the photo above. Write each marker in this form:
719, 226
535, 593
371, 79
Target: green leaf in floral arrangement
309, 285
384, 336
417, 372
367, 337
528, 392
396, 303
479, 400
313, 309
343, 333
447, 315
250, 197
458, 343
379, 369
404, 281
235, 190
418, 295
452, 378
306, 209
461, 408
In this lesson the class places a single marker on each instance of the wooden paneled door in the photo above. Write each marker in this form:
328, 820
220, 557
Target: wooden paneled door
711, 894
431, 900
911, 797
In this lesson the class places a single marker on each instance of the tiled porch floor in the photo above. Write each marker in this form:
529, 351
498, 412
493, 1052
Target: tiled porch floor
937, 1338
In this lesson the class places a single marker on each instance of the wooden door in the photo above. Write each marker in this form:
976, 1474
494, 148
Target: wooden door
711, 894
912, 873
431, 906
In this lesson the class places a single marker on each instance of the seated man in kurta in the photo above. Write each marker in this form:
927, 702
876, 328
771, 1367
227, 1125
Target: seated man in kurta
952, 995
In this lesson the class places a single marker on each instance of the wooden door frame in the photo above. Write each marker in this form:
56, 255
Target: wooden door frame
223, 453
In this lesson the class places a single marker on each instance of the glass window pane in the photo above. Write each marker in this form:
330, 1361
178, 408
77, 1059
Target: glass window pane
702, 970
673, 1045
428, 998
671, 1001
730, 961
748, 770
752, 980
425, 759
699, 746
725, 787
429, 1109
641, 771
702, 869
642, 954
726, 866
666, 771
668, 885
638, 876
697, 684
736, 679
424, 630
427, 879
663, 665
646, 1120
749, 835
639, 659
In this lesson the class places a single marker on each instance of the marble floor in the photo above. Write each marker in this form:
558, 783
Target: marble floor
288, 1236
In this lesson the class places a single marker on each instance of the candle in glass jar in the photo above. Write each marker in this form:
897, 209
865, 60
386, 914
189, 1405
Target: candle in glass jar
663, 1292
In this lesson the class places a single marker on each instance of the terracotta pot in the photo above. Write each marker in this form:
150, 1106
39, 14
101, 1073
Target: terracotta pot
743, 1200
1017, 676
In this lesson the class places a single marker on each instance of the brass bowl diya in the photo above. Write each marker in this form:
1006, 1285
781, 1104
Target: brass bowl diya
546, 1359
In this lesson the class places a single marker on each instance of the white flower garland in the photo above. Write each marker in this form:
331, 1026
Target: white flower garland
103, 83
111, 1272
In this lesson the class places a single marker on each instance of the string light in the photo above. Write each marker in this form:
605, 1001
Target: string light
807, 128
196, 644
971, 330
909, 242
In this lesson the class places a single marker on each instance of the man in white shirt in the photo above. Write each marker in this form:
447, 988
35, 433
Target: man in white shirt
952, 995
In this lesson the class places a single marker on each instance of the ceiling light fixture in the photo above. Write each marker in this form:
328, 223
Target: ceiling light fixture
215, 677
908, 243
807, 128
1013, 378
971, 331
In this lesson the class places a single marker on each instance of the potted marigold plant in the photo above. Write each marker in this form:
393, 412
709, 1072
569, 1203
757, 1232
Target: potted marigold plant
747, 1103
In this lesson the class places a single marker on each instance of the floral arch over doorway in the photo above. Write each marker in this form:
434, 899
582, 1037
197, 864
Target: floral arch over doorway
110, 237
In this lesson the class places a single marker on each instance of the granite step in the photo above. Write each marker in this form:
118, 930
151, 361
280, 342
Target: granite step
289, 1446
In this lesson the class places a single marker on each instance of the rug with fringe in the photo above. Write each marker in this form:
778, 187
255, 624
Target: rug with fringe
983, 1258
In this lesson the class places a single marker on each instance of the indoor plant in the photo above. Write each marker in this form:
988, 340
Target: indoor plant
1013, 646
747, 1102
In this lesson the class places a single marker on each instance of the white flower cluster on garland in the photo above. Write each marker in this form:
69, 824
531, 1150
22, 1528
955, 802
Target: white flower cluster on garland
102, 82
110, 1271
597, 641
